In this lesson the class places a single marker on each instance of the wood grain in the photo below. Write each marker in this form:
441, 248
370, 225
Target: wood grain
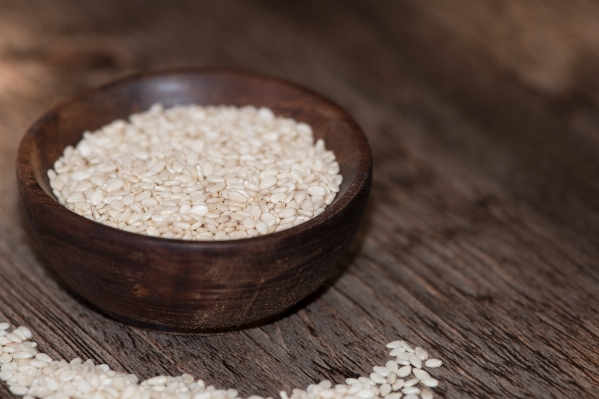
481, 238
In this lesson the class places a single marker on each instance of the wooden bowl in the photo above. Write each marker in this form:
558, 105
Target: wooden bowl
192, 285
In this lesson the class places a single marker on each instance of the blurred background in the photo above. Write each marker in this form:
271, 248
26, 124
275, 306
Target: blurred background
481, 236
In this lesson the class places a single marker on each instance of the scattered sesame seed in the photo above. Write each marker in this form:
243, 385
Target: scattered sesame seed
404, 371
420, 374
36, 375
432, 363
415, 361
421, 353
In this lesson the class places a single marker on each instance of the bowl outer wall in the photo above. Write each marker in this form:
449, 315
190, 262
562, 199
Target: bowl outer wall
182, 284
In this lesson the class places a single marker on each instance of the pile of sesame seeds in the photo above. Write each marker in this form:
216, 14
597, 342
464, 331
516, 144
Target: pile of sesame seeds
32, 374
198, 173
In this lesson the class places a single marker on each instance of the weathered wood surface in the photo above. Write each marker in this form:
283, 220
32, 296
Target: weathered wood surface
481, 240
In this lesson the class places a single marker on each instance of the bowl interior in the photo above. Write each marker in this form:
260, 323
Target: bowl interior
65, 124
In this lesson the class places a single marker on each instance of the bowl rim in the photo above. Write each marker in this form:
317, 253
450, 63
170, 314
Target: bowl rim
362, 178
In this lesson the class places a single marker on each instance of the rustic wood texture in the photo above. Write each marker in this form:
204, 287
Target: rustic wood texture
480, 241
192, 285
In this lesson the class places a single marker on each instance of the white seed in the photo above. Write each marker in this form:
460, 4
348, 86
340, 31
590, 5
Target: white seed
430, 382
391, 366
383, 371
392, 377
426, 394
397, 351
407, 347
404, 371
365, 393
4, 326
13, 337
421, 353
202, 156
432, 363
411, 390
22, 355
20, 334
156, 380
43, 357
402, 362
18, 390
398, 385
420, 374
416, 361
411, 382
379, 379
317, 190
385, 389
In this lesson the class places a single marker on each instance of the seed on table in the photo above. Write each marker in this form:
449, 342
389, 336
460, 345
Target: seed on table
411, 390
421, 353
4, 326
398, 385
365, 380
18, 390
391, 366
430, 382
411, 382
407, 346
392, 377
404, 371
379, 379
365, 393
421, 374
38, 363
426, 394
432, 363
384, 371
43, 357
397, 351
394, 395
13, 337
19, 334
415, 361
5, 375
402, 362
22, 355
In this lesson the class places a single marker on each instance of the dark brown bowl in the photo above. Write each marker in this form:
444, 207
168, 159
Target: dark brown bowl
192, 285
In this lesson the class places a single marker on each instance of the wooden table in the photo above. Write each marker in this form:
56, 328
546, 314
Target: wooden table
481, 239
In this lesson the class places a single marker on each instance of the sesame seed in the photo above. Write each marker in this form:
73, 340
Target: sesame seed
421, 353
415, 361
420, 374
430, 382
241, 159
432, 363
411, 390
404, 371
38, 375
